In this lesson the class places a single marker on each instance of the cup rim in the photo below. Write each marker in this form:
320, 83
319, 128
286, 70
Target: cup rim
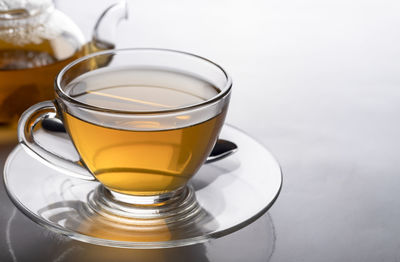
60, 92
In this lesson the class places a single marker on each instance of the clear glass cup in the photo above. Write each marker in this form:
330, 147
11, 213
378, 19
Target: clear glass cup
144, 156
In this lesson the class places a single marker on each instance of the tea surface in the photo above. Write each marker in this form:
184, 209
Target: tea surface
139, 89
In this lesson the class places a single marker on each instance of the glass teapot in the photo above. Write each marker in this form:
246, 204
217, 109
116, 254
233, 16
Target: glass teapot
36, 42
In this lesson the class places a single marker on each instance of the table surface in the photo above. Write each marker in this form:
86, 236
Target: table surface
316, 82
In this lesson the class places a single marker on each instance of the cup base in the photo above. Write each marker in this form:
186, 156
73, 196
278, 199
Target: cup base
103, 216
142, 201
167, 209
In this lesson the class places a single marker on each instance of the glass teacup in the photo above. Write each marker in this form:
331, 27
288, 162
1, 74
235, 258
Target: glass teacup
143, 121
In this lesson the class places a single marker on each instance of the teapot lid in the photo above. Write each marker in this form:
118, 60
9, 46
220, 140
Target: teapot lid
28, 21
14, 9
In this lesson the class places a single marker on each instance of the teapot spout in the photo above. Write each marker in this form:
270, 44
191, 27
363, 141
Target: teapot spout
104, 33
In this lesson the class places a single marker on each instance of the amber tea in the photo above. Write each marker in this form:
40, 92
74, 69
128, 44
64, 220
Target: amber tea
142, 157
27, 75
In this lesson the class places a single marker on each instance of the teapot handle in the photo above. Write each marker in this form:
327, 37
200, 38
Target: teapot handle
104, 31
27, 123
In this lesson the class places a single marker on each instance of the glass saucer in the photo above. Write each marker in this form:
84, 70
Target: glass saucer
225, 195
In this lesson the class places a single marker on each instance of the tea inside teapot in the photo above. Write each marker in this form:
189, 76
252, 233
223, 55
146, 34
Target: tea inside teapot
26, 77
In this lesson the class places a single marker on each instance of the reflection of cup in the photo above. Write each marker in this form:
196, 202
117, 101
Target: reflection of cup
143, 124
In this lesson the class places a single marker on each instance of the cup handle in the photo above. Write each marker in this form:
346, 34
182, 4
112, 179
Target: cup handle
29, 119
